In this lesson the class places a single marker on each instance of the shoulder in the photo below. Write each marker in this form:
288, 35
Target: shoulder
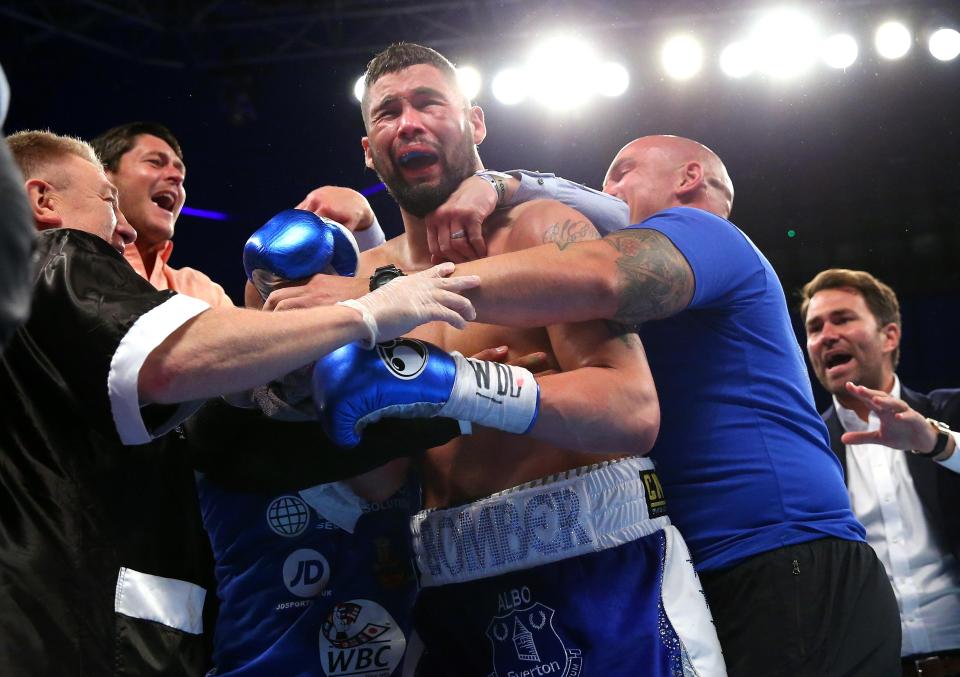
197, 284
64, 240
91, 260
943, 403
540, 222
690, 223
381, 255
945, 395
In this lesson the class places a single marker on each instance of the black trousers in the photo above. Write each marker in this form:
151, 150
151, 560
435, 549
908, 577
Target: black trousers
823, 608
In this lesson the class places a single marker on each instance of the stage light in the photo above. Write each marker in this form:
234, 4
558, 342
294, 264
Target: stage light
839, 51
736, 60
945, 44
358, 87
682, 57
785, 43
892, 40
612, 79
561, 72
469, 79
510, 86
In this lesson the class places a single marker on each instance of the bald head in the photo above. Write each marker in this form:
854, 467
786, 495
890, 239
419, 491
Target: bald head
654, 173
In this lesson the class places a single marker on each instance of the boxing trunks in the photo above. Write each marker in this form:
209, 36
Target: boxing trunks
580, 573
302, 596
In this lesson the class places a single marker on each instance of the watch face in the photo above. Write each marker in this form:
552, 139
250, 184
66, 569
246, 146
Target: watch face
383, 275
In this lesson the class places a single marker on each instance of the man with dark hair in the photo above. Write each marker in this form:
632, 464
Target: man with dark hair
102, 570
145, 162
899, 455
576, 471
117, 141
574, 467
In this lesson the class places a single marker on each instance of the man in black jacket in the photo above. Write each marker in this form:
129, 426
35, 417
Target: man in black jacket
899, 456
103, 562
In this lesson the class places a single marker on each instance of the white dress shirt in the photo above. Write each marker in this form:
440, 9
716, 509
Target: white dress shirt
924, 573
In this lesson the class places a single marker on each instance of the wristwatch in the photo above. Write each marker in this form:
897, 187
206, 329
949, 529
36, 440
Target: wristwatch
943, 436
384, 274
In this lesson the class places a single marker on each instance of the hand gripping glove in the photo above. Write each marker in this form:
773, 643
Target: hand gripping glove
297, 244
405, 378
409, 301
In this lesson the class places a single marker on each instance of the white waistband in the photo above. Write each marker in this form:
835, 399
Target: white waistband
576, 512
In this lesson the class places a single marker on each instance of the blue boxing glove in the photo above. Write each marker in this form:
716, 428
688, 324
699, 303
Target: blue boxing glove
405, 378
296, 244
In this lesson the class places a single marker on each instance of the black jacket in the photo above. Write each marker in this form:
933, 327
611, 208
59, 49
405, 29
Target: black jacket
938, 487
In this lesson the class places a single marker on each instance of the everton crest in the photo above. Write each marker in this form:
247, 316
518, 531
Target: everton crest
525, 644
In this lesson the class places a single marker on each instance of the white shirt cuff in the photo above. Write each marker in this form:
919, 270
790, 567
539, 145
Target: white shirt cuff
148, 332
953, 463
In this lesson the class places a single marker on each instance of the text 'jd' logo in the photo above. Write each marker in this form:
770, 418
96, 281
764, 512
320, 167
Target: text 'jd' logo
306, 573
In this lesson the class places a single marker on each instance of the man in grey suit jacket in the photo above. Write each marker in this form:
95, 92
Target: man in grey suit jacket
899, 456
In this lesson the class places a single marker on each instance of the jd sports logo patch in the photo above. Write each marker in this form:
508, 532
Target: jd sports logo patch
306, 573
405, 358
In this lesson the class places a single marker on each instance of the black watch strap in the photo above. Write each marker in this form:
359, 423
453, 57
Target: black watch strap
384, 274
943, 436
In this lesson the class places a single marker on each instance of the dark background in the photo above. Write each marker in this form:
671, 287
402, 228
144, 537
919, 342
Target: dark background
863, 165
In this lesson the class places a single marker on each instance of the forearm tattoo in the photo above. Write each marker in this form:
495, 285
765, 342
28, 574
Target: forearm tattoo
627, 335
568, 232
655, 277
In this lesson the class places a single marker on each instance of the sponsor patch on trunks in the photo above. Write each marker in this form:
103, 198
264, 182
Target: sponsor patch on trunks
653, 492
360, 637
525, 643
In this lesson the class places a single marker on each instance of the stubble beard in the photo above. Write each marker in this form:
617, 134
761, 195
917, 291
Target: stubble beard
421, 199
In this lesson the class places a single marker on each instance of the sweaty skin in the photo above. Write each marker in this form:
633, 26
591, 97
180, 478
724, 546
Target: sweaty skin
487, 461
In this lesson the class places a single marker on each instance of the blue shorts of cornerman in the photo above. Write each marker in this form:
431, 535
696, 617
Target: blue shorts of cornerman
580, 573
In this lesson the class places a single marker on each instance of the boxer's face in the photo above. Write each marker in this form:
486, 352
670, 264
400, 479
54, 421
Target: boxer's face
421, 136
150, 180
87, 201
845, 342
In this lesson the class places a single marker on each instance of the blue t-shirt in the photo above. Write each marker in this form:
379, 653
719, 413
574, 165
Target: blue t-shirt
743, 455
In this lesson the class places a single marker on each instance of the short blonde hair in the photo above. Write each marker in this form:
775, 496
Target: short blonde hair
36, 152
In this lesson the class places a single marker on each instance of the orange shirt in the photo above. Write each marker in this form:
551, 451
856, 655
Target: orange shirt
184, 280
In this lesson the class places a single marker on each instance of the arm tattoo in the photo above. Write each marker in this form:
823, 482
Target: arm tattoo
657, 280
627, 335
568, 232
